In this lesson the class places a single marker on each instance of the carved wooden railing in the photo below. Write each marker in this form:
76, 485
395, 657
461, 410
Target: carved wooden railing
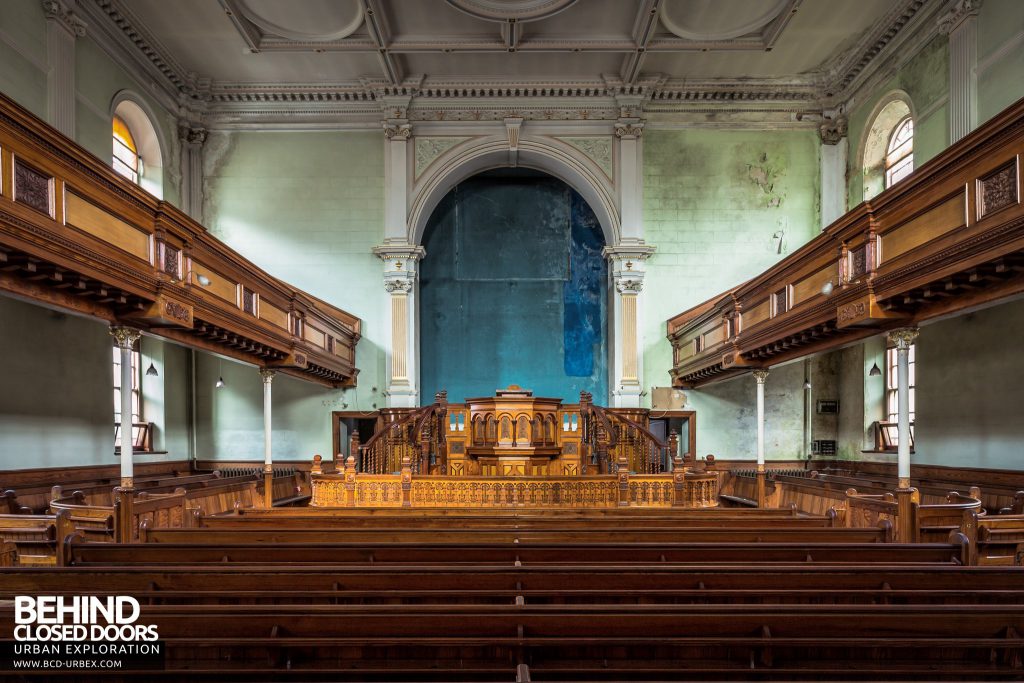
611, 437
418, 436
76, 235
351, 488
948, 237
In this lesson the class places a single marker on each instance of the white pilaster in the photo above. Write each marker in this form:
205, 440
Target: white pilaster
902, 339
126, 338
62, 28
960, 23
834, 152
760, 376
626, 263
400, 282
397, 133
631, 184
192, 138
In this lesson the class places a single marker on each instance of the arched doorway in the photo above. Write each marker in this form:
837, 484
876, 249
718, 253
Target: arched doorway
513, 289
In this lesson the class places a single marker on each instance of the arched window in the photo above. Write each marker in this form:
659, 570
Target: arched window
138, 148
899, 158
126, 153
887, 152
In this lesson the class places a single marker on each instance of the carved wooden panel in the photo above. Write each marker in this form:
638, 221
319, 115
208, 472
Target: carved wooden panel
248, 301
780, 301
33, 188
170, 262
858, 261
998, 189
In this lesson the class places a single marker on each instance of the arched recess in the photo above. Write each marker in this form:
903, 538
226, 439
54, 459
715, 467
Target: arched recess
151, 144
540, 154
890, 111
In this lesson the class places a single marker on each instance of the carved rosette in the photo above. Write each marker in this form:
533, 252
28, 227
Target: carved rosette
126, 337
903, 337
761, 375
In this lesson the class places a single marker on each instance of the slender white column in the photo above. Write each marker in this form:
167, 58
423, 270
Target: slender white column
902, 339
961, 25
62, 27
126, 338
760, 376
267, 375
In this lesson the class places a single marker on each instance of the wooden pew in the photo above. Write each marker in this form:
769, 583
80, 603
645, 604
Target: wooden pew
200, 536
37, 539
80, 552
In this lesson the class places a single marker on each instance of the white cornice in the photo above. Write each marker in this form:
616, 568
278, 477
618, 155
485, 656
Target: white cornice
473, 99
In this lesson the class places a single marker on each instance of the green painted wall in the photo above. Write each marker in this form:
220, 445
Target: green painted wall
925, 78
307, 207
229, 420
969, 390
713, 200
1000, 56
98, 78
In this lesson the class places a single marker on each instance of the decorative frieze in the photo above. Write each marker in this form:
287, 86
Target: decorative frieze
430, 148
598, 148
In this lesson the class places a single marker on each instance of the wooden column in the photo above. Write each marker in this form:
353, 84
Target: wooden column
760, 376
268, 460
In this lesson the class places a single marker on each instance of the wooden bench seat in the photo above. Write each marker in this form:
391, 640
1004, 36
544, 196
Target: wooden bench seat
569, 537
295, 554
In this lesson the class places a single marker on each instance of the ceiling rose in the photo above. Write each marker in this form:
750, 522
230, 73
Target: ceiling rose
309, 20
509, 10
718, 19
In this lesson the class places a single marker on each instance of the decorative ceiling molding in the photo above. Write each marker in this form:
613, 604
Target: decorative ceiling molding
511, 10
424, 98
759, 28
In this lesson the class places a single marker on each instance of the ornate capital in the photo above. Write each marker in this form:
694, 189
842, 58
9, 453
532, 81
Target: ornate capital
397, 131
629, 130
624, 285
761, 375
832, 131
193, 135
126, 337
268, 375
398, 285
963, 9
903, 337
59, 12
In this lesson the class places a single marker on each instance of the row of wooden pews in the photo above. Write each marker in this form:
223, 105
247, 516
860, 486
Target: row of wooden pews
547, 595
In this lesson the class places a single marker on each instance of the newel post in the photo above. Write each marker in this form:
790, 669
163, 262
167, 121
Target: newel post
623, 474
406, 481
678, 482
350, 481
317, 467
353, 444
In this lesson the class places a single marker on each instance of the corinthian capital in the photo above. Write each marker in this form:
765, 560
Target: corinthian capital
126, 337
903, 337
59, 12
960, 11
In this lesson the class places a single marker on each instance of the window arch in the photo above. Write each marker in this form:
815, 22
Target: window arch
887, 152
134, 135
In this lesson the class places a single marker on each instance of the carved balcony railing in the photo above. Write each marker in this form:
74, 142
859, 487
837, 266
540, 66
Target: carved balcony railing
417, 436
76, 235
947, 238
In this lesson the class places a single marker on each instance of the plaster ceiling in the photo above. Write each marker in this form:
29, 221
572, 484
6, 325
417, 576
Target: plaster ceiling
766, 46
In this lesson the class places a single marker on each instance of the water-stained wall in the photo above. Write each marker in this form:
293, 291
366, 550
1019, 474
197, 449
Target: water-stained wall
513, 290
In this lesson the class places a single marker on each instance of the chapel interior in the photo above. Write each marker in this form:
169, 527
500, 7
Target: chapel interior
518, 340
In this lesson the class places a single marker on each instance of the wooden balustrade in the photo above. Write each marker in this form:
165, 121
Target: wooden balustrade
76, 235
949, 237
352, 488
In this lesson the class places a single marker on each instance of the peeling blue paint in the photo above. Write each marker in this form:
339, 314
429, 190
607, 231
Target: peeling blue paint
513, 290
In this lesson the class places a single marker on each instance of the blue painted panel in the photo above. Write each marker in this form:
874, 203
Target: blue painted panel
513, 290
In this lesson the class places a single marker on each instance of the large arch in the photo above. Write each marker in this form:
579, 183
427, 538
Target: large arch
538, 153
